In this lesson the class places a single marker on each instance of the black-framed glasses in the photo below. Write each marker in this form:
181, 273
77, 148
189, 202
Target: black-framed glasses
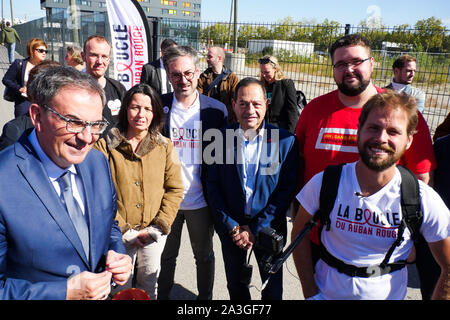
189, 75
78, 126
41, 50
95, 56
341, 65
265, 61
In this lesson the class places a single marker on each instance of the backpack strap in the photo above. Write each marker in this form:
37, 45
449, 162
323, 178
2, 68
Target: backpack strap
328, 193
411, 210
217, 79
410, 202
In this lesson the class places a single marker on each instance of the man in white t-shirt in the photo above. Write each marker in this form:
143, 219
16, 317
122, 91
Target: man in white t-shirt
188, 115
367, 212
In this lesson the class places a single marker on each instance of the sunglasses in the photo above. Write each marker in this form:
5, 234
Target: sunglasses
265, 61
41, 50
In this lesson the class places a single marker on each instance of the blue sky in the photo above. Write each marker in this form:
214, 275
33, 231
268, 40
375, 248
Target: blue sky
391, 12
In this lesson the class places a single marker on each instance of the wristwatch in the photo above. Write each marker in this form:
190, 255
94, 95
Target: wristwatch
234, 231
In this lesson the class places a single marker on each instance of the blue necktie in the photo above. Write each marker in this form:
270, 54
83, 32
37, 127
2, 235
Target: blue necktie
74, 211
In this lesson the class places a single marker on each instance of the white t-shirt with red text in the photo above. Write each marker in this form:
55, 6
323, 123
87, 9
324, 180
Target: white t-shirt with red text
362, 231
186, 136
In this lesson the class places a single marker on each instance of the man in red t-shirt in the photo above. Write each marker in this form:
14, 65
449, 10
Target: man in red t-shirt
327, 127
326, 130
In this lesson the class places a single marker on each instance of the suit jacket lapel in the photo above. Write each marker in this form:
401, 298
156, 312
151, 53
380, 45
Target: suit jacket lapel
267, 167
236, 149
35, 174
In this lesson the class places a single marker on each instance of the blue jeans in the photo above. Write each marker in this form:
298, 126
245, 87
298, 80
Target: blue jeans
201, 230
11, 49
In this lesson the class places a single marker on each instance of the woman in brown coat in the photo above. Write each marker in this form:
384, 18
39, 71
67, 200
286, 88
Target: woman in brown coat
147, 176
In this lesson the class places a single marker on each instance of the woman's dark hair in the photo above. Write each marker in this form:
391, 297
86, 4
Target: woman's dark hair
158, 114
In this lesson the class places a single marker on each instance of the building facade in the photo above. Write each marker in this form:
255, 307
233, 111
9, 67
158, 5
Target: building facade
174, 9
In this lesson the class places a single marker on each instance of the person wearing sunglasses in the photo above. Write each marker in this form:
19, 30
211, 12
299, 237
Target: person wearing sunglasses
282, 111
13, 129
15, 79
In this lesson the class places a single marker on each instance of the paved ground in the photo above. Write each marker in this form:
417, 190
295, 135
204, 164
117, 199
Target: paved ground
185, 277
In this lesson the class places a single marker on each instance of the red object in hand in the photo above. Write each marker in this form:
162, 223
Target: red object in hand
131, 294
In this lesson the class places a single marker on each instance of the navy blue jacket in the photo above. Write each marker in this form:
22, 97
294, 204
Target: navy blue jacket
10, 78
442, 172
14, 80
39, 246
274, 188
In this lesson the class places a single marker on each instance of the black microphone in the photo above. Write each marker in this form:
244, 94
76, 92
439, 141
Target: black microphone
358, 194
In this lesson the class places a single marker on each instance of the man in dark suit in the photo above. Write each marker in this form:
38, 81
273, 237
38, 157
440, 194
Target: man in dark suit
250, 186
189, 115
154, 74
58, 236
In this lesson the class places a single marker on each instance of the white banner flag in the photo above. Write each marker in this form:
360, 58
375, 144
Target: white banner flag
130, 38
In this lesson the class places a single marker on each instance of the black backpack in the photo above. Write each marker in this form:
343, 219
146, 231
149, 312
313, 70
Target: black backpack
411, 212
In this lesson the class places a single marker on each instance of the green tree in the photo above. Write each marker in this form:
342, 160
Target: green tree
430, 34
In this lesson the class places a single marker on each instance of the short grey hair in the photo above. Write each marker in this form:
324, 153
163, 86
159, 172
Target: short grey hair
50, 81
174, 53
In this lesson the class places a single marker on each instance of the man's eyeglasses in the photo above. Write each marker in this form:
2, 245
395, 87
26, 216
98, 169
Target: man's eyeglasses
189, 75
265, 61
95, 56
77, 125
354, 63
41, 50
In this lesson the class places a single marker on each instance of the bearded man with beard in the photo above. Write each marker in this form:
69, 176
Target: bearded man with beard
326, 130
327, 127
372, 185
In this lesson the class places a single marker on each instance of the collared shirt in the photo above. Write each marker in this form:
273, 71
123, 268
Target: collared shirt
250, 153
54, 172
412, 91
399, 87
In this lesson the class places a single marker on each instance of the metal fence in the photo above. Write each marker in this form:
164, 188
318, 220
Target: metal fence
300, 49
302, 53
57, 31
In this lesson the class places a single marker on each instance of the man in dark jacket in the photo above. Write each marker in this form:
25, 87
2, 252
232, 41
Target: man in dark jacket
217, 81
